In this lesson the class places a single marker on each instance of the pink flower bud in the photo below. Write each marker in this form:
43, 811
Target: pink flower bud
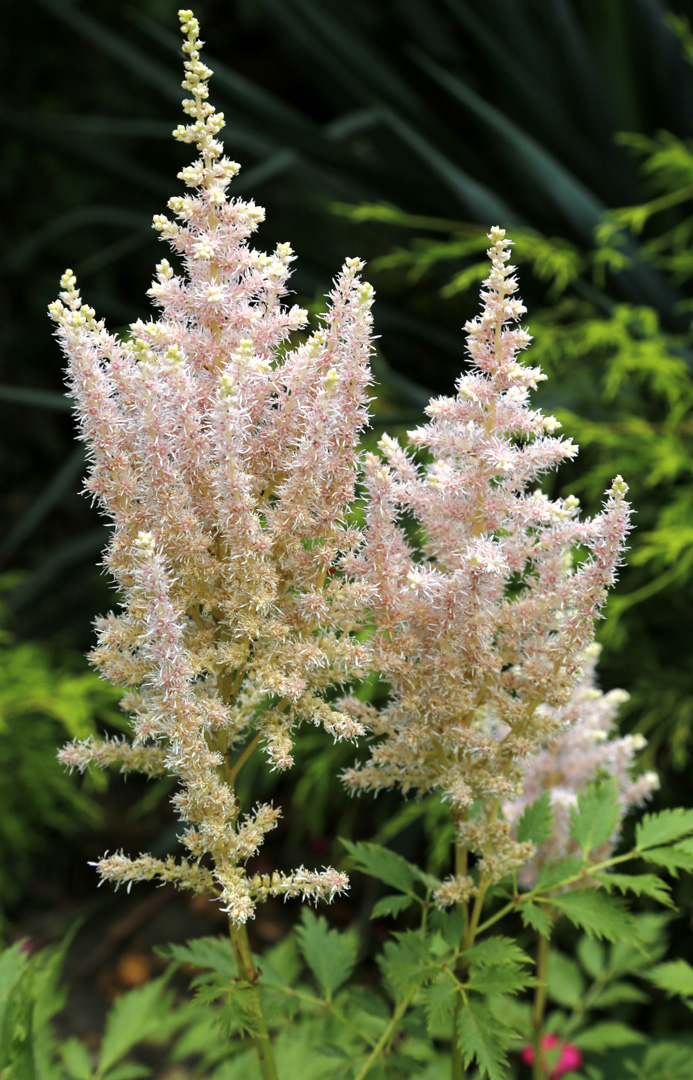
562, 1058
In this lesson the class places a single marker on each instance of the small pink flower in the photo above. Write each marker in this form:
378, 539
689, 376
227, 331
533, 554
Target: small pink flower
569, 1057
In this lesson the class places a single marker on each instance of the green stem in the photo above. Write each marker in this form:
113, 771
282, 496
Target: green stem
535, 894
249, 974
586, 1003
248, 752
473, 928
456, 1065
386, 1037
540, 1006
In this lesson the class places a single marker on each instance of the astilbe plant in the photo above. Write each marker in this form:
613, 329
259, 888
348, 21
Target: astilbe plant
228, 463
481, 628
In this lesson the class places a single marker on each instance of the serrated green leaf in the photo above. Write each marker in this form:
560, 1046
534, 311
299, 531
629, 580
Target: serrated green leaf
450, 924
329, 954
647, 945
135, 1016
213, 955
591, 955
406, 962
391, 905
500, 979
497, 967
607, 1035
565, 982
439, 1002
536, 917
596, 817
663, 828
554, 874
384, 865
675, 976
485, 1039
496, 950
674, 858
597, 913
238, 1008
640, 884
536, 823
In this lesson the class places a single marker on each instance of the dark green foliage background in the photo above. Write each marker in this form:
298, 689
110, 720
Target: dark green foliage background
465, 112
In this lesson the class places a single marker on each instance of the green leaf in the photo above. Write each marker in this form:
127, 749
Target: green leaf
597, 913
129, 1070
450, 925
439, 1002
406, 962
391, 905
77, 1059
536, 823
640, 884
496, 967
485, 1039
238, 1008
674, 858
135, 1016
646, 946
13, 964
607, 1035
282, 963
555, 874
620, 993
496, 950
676, 977
596, 817
329, 954
565, 982
212, 954
591, 955
384, 865
663, 828
667, 1061
536, 917
500, 979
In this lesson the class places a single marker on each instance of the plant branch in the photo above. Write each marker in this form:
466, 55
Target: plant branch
387, 1036
248, 973
540, 1005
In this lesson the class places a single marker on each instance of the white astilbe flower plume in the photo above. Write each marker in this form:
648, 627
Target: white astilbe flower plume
227, 463
480, 632
585, 750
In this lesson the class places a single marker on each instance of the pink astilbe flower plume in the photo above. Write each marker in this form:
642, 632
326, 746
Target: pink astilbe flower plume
227, 463
481, 629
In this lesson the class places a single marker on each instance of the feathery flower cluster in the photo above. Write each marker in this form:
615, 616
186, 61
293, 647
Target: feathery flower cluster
481, 629
228, 463
583, 752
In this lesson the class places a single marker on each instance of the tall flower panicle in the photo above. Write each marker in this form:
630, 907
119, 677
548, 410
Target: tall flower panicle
227, 462
584, 751
481, 621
